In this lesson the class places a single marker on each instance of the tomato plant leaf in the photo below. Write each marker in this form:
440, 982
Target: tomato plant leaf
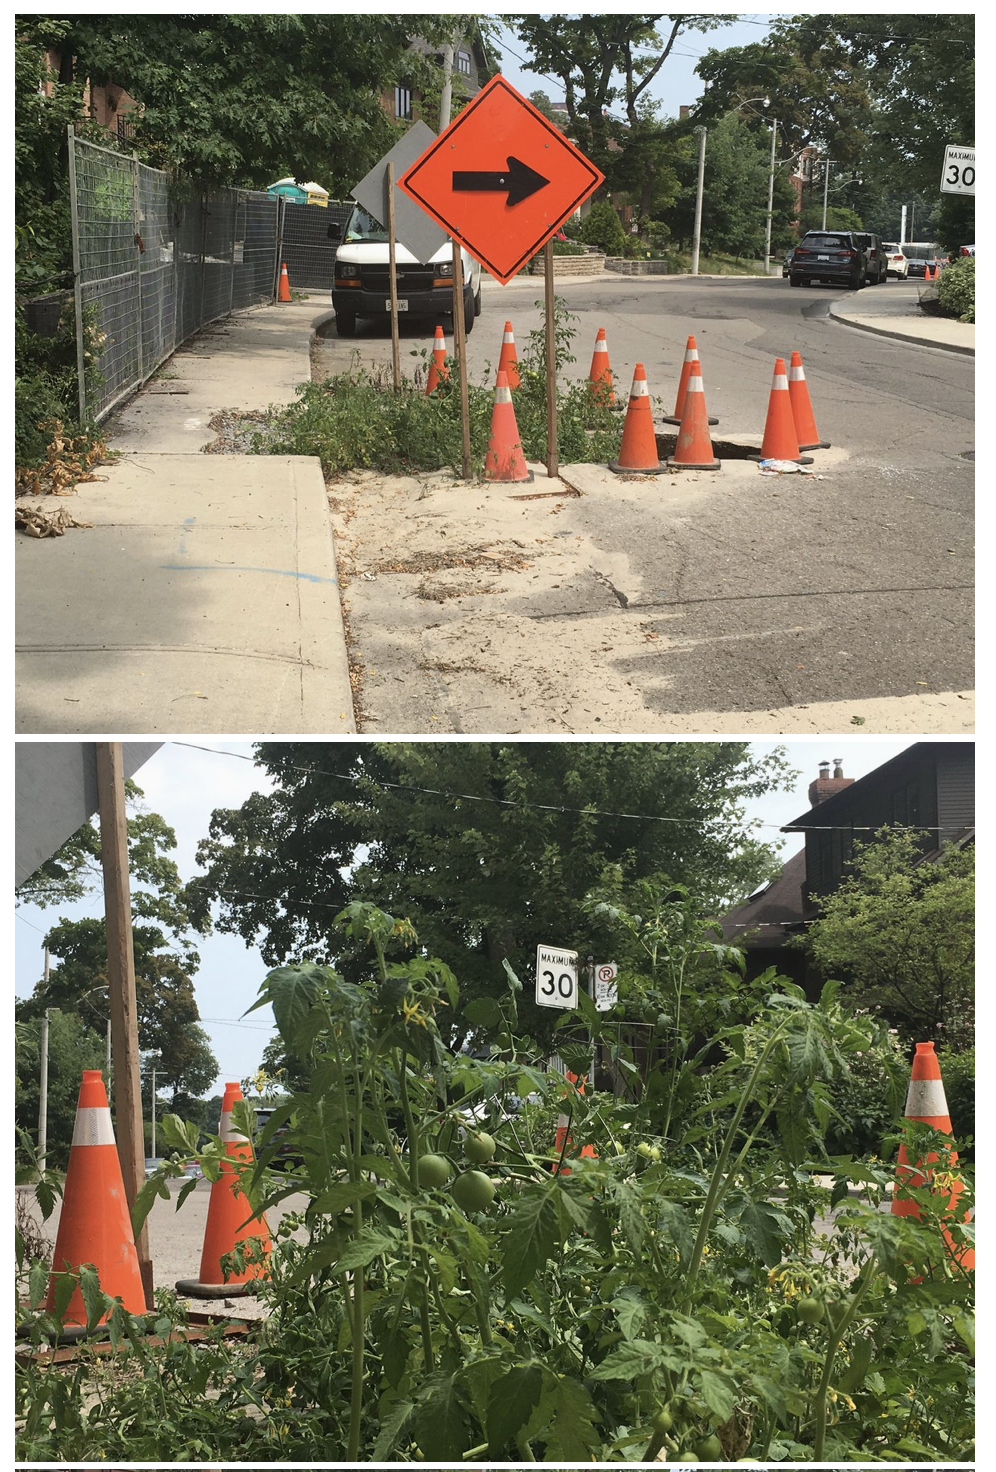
718, 1392
628, 1360
773, 1395
440, 1425
630, 1311
765, 1228
394, 1421
573, 1435
344, 1193
510, 1403
368, 1244
673, 1217
292, 992
532, 1237
631, 1220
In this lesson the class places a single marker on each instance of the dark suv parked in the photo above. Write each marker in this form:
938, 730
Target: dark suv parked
829, 255
876, 259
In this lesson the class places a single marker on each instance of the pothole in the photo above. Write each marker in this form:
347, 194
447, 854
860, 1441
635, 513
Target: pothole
722, 449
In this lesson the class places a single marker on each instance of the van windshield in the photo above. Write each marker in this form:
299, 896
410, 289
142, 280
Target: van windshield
362, 226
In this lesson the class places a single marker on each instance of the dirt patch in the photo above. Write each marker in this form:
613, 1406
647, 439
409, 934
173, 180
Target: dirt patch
241, 431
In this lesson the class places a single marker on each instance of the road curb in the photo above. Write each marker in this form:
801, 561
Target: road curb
923, 342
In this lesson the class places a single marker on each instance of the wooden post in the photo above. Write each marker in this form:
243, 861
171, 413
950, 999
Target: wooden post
552, 462
121, 986
393, 275
460, 348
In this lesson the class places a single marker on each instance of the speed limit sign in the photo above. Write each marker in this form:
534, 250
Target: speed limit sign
556, 977
958, 174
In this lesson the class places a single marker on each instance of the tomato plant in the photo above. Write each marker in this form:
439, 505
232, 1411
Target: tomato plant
631, 1307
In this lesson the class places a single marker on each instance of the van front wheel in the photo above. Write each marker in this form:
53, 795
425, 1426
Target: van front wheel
345, 324
469, 310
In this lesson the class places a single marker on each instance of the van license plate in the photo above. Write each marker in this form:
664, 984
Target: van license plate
402, 304
822, 258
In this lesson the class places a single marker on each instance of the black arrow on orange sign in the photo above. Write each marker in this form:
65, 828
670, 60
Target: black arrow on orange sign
519, 179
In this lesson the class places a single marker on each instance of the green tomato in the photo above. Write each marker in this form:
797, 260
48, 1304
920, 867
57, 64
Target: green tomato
434, 1170
473, 1191
662, 1420
811, 1310
687, 1457
479, 1148
644, 1150
710, 1449
655, 1153
619, 1148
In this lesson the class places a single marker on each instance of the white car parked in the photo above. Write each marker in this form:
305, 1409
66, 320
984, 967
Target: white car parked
896, 263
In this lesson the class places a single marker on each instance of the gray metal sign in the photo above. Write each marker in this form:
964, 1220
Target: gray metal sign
415, 230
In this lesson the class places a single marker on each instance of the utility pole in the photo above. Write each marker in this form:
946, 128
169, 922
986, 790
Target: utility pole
826, 187
446, 100
697, 234
153, 1114
771, 200
43, 1082
121, 985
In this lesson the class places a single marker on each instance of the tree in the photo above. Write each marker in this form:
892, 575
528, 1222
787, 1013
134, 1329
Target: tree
188, 1069
72, 1046
606, 64
166, 960
900, 931
240, 99
735, 197
486, 846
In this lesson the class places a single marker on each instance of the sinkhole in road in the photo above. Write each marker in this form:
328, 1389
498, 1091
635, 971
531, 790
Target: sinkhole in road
721, 449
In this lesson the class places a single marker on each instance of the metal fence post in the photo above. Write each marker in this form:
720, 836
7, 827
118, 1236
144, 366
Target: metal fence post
77, 284
136, 210
278, 244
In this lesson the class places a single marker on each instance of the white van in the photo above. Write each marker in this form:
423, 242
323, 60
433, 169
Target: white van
361, 281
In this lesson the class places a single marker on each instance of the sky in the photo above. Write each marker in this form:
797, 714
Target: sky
675, 84
185, 784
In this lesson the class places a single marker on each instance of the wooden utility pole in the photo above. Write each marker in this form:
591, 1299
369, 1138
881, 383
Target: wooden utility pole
392, 257
552, 461
121, 986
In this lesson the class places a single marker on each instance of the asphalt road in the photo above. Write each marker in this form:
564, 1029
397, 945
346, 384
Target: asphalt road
856, 586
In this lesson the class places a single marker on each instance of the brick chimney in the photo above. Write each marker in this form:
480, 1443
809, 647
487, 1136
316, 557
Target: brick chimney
825, 786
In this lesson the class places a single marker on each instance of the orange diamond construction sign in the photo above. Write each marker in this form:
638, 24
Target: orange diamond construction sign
501, 179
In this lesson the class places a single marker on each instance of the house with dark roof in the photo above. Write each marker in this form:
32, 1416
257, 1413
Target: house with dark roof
929, 786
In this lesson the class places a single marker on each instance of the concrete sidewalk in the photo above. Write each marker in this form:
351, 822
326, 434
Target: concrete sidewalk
205, 597
893, 311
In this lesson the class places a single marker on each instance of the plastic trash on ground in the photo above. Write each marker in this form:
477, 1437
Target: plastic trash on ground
783, 467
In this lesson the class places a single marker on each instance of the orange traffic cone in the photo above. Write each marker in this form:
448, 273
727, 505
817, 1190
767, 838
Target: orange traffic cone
927, 1104
780, 441
600, 376
802, 410
638, 451
95, 1225
229, 1221
504, 460
438, 371
562, 1142
507, 361
283, 294
693, 448
691, 356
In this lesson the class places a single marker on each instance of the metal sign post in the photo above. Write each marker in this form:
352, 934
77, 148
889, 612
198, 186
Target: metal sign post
552, 461
392, 272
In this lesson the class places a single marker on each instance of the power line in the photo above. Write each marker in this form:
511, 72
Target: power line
544, 807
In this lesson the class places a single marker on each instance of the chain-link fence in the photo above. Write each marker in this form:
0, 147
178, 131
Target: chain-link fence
306, 249
152, 264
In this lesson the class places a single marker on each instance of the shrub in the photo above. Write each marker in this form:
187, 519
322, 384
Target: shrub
956, 290
958, 1073
603, 228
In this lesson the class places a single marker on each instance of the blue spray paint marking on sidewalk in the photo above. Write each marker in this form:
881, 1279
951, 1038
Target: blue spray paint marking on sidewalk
188, 522
280, 572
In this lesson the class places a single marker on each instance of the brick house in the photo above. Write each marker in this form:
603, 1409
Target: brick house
472, 67
930, 785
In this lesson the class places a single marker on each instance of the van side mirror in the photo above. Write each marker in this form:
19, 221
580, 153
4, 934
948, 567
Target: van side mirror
334, 233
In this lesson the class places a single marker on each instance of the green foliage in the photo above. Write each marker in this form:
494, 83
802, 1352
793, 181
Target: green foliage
868, 1097
223, 97
956, 289
354, 420
554, 1323
958, 1073
74, 1043
603, 227
489, 876
901, 932
735, 193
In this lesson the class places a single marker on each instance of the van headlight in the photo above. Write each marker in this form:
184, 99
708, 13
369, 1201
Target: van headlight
443, 268
347, 270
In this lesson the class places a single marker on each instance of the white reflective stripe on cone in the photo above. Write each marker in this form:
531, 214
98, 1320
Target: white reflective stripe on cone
93, 1127
503, 395
639, 389
507, 337
796, 373
694, 384
780, 381
926, 1099
230, 1135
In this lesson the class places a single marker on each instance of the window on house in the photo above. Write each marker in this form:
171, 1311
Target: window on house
402, 102
463, 62
122, 133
